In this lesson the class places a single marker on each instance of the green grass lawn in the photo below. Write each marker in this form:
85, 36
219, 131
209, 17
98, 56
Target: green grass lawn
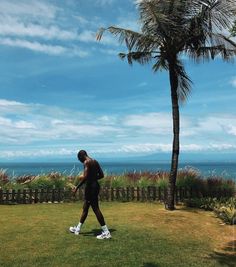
143, 234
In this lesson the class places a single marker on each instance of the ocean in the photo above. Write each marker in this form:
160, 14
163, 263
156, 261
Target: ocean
224, 169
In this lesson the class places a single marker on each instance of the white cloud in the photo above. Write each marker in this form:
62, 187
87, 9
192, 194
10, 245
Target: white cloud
24, 125
28, 8
104, 2
35, 46
46, 123
156, 123
143, 84
37, 27
129, 22
43, 48
233, 81
16, 28
231, 129
37, 153
161, 124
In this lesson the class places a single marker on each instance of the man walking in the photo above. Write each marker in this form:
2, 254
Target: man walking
92, 173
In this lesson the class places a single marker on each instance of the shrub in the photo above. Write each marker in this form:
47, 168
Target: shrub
224, 208
227, 214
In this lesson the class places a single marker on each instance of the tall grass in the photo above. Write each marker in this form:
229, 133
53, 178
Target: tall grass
188, 178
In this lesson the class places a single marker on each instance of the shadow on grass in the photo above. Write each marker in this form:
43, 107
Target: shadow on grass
227, 256
150, 264
95, 232
189, 209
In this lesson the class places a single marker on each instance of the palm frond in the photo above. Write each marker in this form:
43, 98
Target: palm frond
216, 13
211, 52
132, 39
153, 18
184, 82
140, 57
161, 64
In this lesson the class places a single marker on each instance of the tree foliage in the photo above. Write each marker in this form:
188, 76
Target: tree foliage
233, 29
171, 28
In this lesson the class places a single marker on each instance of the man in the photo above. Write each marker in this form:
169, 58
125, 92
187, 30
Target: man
92, 173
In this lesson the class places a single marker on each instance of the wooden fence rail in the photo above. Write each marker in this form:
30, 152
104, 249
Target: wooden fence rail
151, 193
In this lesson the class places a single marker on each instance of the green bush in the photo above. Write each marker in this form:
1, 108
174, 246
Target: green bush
162, 183
227, 214
224, 208
119, 181
144, 182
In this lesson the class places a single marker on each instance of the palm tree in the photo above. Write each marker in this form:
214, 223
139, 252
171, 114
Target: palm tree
170, 29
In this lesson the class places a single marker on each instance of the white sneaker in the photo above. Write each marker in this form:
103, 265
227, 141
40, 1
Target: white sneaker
74, 230
104, 235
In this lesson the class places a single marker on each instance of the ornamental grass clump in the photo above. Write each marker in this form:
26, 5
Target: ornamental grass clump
25, 179
4, 179
190, 177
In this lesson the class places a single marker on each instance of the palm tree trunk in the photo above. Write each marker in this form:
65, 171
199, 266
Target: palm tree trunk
170, 205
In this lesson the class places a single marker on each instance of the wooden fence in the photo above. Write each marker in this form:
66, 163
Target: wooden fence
29, 196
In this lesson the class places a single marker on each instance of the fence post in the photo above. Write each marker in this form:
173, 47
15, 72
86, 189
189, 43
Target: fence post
138, 194
154, 193
18, 200
53, 195
127, 193
112, 194
165, 195
159, 193
30, 196
132, 193
117, 193
176, 195
59, 195
191, 192
1, 196
24, 196
123, 194
36, 196
107, 193
142, 194
148, 193
41, 195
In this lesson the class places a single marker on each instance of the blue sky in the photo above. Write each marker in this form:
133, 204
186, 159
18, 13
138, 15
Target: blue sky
61, 91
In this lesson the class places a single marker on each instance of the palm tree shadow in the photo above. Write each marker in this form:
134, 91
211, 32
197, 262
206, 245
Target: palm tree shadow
95, 232
227, 257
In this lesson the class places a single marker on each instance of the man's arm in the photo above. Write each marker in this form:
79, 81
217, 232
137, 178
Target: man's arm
82, 178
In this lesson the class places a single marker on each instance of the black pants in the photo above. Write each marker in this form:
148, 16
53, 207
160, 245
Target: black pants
92, 192
91, 199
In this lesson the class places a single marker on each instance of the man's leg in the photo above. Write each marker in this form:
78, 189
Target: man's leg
105, 232
76, 229
85, 211
98, 212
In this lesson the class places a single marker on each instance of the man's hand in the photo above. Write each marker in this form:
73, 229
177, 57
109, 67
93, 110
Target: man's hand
74, 190
81, 177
